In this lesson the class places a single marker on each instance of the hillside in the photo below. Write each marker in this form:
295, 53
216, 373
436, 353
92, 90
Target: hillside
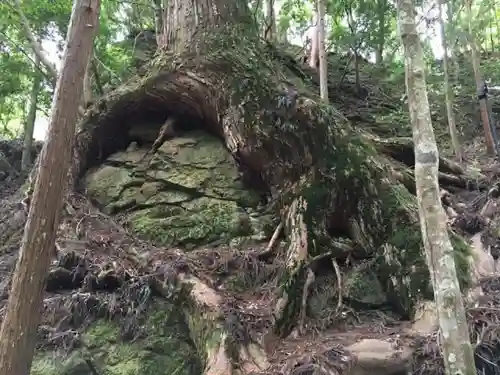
172, 258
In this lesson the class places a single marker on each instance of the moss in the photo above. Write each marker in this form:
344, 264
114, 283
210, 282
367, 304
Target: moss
462, 252
200, 221
188, 194
107, 183
165, 349
101, 334
361, 284
43, 365
408, 264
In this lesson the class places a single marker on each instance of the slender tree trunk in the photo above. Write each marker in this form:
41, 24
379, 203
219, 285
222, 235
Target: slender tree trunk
454, 49
37, 47
457, 350
282, 35
19, 327
381, 12
158, 21
356, 70
29, 126
323, 62
492, 42
270, 32
483, 108
448, 89
497, 26
314, 55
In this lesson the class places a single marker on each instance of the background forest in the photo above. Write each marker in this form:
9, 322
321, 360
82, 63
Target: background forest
357, 28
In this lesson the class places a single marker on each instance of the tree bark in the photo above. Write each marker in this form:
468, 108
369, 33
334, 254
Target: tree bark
483, 107
270, 33
381, 13
187, 32
30, 119
457, 350
323, 62
87, 84
448, 89
19, 327
37, 48
314, 53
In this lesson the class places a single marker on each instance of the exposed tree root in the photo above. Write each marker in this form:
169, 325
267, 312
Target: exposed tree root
348, 197
226, 344
268, 252
305, 295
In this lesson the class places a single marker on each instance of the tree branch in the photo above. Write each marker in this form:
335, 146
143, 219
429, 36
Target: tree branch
21, 49
37, 48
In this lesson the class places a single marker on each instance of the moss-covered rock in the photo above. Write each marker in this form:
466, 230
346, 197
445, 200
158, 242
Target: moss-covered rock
163, 349
362, 285
189, 193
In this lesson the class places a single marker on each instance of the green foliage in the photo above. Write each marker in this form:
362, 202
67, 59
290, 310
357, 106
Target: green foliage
48, 21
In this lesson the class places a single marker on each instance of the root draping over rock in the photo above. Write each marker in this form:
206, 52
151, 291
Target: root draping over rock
341, 197
298, 148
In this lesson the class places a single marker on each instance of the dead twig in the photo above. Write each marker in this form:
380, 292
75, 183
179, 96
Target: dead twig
269, 251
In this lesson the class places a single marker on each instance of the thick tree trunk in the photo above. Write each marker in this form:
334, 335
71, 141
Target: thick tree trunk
457, 350
19, 326
87, 83
187, 30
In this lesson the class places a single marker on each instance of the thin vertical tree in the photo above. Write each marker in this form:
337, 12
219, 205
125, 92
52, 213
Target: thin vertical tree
270, 32
323, 62
19, 327
29, 126
314, 53
455, 140
456, 347
476, 66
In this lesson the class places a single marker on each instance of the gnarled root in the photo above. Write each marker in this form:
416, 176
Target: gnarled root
221, 338
294, 290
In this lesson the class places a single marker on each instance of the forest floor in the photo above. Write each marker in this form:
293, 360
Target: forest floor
101, 264
96, 254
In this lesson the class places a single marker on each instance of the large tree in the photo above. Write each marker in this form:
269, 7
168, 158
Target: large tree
336, 192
